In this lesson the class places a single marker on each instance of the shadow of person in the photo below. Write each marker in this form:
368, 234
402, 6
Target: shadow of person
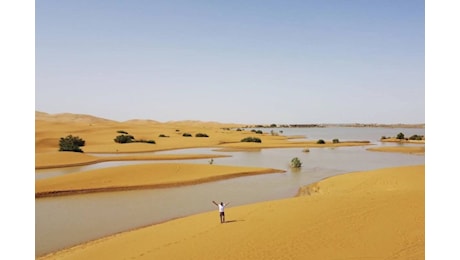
234, 220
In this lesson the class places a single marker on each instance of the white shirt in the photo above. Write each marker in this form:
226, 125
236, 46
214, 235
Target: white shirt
221, 207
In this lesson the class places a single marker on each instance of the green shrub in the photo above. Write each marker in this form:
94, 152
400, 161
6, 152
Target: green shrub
335, 141
186, 135
124, 139
122, 132
251, 139
71, 143
416, 137
320, 141
162, 135
201, 135
144, 141
296, 163
257, 131
400, 136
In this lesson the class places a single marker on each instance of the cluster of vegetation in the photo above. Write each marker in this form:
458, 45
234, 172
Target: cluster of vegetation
257, 131
145, 141
320, 141
417, 137
401, 136
296, 163
127, 138
335, 141
201, 135
187, 135
251, 139
71, 143
124, 138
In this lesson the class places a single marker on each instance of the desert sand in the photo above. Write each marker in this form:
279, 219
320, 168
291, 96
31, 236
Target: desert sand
142, 176
377, 214
400, 149
365, 215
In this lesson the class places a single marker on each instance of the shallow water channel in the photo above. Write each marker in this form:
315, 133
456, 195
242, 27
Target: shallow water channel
62, 222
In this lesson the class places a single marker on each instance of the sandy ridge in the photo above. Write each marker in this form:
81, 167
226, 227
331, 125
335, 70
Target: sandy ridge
67, 159
144, 176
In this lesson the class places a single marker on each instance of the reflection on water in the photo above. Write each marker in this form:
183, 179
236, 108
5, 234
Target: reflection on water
65, 221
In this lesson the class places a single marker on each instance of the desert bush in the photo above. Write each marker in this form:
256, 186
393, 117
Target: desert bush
251, 139
71, 143
124, 139
122, 132
320, 141
186, 134
162, 135
335, 141
417, 137
201, 135
296, 163
144, 141
400, 136
306, 150
257, 131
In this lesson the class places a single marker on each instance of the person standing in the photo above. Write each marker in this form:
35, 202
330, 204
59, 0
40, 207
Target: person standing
221, 210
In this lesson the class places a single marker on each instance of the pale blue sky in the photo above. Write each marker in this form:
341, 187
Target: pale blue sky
233, 61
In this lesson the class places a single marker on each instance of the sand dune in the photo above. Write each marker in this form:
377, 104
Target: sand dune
141, 176
99, 135
365, 215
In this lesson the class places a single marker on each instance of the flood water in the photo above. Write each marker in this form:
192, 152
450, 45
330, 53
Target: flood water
62, 222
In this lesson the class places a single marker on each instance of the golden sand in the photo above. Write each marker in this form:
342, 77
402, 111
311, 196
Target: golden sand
365, 215
400, 149
141, 176
99, 135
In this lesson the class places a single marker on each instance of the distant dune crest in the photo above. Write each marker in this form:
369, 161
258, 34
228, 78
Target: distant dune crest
69, 117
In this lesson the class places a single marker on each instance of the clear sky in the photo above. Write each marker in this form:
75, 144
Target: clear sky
232, 61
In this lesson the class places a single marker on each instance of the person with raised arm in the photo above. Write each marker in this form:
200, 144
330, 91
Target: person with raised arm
221, 210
